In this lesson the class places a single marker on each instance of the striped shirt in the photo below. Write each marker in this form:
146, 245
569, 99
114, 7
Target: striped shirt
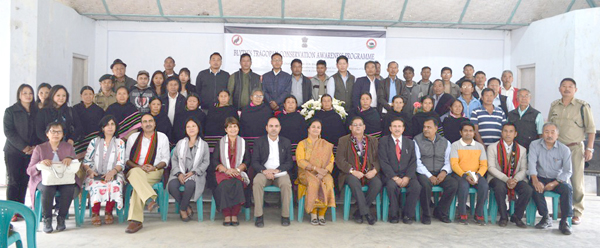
490, 125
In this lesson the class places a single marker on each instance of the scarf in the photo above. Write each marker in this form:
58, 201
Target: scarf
240, 148
137, 150
360, 158
509, 162
103, 165
183, 152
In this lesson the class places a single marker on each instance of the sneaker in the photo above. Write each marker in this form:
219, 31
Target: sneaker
463, 220
479, 220
60, 224
48, 225
546, 222
259, 222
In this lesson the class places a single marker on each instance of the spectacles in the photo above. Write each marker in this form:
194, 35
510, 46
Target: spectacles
56, 131
258, 96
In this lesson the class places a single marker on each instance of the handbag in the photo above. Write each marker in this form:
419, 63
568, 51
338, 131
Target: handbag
58, 173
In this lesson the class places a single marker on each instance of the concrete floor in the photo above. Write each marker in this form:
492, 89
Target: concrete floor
175, 233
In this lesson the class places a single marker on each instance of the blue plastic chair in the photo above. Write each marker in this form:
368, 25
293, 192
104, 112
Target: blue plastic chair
347, 200
162, 198
274, 188
84, 195
472, 194
37, 206
386, 204
493, 207
532, 208
7, 210
199, 206
213, 210
437, 190
301, 210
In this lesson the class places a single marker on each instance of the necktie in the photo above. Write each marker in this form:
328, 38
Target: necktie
398, 150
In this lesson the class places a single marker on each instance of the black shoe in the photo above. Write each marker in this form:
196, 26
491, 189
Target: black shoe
546, 222
358, 219
503, 222
370, 219
60, 224
234, 223
48, 225
517, 221
426, 220
564, 227
285, 221
259, 222
445, 219
407, 220
395, 220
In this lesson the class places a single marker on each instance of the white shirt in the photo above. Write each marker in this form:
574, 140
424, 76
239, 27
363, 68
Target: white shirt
508, 147
331, 84
162, 148
373, 92
510, 93
397, 141
273, 160
171, 110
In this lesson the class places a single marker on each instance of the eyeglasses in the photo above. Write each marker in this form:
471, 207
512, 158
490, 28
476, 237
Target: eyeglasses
56, 131
258, 96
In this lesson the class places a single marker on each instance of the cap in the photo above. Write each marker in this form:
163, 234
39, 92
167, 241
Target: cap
143, 72
117, 61
104, 77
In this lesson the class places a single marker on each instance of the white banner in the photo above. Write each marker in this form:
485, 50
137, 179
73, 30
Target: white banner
308, 45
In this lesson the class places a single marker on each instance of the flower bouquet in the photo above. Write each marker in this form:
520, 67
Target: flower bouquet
309, 108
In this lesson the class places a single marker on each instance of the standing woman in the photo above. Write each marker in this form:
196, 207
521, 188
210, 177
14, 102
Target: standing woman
452, 121
315, 164
255, 116
163, 124
89, 112
42, 92
333, 126
173, 101
54, 150
19, 129
293, 125
190, 160
123, 108
157, 83
217, 115
369, 115
186, 84
191, 110
397, 106
104, 163
56, 109
420, 117
231, 157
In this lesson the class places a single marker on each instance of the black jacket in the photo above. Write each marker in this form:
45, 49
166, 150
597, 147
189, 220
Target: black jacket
261, 154
208, 86
19, 128
90, 117
388, 162
181, 119
65, 115
120, 112
444, 104
180, 103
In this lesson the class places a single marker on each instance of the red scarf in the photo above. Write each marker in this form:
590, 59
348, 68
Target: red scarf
509, 164
137, 149
357, 165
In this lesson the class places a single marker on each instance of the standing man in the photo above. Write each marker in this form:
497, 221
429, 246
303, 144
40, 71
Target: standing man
211, 81
378, 70
488, 120
119, 78
340, 85
140, 94
276, 84
301, 85
499, 100
412, 90
366, 84
442, 101
480, 79
425, 84
388, 88
508, 90
468, 101
169, 68
449, 87
468, 71
106, 96
575, 120
528, 121
243, 82
319, 82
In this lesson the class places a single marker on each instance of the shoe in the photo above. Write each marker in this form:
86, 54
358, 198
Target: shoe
394, 219
445, 219
48, 225
479, 220
285, 221
503, 222
190, 212
96, 220
463, 220
407, 220
133, 226
517, 221
546, 222
151, 206
426, 220
108, 218
576, 220
322, 221
55, 213
314, 222
438, 215
358, 219
564, 227
234, 223
60, 223
370, 219
16, 217
225, 223
259, 222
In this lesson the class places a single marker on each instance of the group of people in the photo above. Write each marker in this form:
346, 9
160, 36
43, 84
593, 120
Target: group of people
237, 134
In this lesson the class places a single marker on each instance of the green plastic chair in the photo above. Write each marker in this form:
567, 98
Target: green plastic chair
347, 201
37, 206
472, 194
84, 195
493, 210
199, 206
532, 208
386, 204
162, 198
274, 188
213, 210
437, 190
301, 210
7, 210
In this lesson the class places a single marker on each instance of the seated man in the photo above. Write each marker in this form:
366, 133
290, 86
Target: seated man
469, 164
550, 169
271, 160
507, 165
397, 160
147, 153
357, 162
433, 168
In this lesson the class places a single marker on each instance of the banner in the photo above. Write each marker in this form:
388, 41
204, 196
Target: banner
308, 45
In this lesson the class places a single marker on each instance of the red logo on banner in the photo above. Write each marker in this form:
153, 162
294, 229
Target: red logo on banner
371, 43
237, 40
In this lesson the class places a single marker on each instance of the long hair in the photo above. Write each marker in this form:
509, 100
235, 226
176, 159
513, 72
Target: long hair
49, 103
163, 87
42, 85
20, 90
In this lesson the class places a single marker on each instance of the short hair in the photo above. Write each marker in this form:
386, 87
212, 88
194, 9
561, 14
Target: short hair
485, 91
122, 87
507, 71
392, 62
171, 58
104, 122
377, 62
245, 55
21, 88
509, 124
397, 119
446, 69
370, 62
466, 123
437, 80
356, 118
435, 121
568, 80
469, 81
340, 58
523, 89
231, 121
468, 65
326, 95
479, 72
156, 98
291, 97
55, 124
492, 79
276, 54
87, 87
198, 124
399, 96
550, 124
272, 118
194, 95
296, 61
426, 68
366, 93
409, 68
215, 54
176, 79
257, 90
322, 62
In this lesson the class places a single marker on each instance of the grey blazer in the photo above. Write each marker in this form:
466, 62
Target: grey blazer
199, 168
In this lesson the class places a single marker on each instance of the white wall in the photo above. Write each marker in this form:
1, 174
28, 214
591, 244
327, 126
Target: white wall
5, 67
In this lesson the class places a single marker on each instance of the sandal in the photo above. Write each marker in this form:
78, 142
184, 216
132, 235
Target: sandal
186, 219
152, 205
314, 222
225, 222
321, 221
96, 220
108, 218
190, 212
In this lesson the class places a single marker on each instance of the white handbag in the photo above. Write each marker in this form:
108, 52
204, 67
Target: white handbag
58, 173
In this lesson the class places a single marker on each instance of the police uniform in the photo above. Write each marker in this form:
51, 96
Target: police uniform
574, 121
104, 101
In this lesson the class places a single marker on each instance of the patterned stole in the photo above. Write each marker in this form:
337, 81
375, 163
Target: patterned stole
137, 150
509, 162
360, 159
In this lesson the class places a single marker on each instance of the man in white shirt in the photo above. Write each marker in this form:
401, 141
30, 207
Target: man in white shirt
508, 90
147, 154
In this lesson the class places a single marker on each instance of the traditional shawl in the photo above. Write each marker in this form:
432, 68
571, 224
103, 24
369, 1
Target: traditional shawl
360, 158
103, 165
509, 163
240, 150
137, 149
183, 151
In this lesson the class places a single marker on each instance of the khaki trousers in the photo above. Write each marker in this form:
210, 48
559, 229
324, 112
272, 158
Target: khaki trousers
578, 161
283, 182
142, 190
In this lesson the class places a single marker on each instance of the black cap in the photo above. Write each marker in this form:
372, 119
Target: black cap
117, 61
104, 77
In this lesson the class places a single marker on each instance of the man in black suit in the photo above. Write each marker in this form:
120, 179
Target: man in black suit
385, 93
272, 161
397, 160
494, 84
366, 84
442, 101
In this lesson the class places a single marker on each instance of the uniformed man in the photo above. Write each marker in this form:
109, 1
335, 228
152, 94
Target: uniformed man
574, 119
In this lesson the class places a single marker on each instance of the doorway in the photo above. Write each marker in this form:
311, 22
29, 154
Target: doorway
527, 79
80, 77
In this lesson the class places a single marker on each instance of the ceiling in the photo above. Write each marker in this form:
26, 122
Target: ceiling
468, 14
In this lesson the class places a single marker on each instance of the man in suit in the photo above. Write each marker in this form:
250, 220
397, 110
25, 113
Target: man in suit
272, 161
499, 100
397, 160
442, 101
366, 84
356, 159
340, 84
388, 88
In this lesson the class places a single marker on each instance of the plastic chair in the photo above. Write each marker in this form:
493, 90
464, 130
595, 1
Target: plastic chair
472, 193
199, 206
274, 188
213, 210
437, 190
37, 206
84, 195
493, 207
386, 204
7, 210
347, 200
532, 208
302, 192
162, 198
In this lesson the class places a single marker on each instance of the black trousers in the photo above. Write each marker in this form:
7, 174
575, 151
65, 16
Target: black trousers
523, 190
364, 202
16, 171
565, 191
450, 185
183, 198
413, 189
66, 197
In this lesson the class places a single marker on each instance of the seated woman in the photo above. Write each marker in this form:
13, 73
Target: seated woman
104, 163
254, 116
163, 124
315, 164
191, 110
189, 162
51, 151
333, 125
369, 115
426, 113
293, 125
218, 114
452, 120
397, 106
232, 158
